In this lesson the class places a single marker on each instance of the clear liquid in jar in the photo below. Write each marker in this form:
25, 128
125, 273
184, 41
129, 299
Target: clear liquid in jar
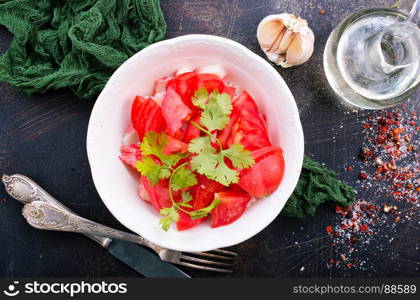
377, 73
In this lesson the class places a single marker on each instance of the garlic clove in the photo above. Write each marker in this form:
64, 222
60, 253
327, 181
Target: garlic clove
276, 43
300, 50
268, 32
286, 39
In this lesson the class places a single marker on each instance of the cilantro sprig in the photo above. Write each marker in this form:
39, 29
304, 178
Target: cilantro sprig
206, 159
156, 165
209, 161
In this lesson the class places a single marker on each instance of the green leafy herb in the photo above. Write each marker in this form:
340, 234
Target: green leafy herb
154, 144
212, 164
239, 157
182, 178
186, 198
153, 171
171, 216
204, 212
216, 112
200, 98
208, 160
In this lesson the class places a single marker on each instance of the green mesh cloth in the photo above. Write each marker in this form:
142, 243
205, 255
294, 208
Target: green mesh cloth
79, 43
74, 43
317, 185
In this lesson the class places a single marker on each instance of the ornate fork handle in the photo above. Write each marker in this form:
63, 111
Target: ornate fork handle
25, 190
42, 215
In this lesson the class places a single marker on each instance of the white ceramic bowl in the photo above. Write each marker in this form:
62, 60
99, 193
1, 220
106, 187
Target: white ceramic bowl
117, 185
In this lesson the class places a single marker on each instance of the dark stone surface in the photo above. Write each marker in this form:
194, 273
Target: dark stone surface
43, 136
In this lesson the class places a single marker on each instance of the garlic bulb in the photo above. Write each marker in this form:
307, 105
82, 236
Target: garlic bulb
286, 39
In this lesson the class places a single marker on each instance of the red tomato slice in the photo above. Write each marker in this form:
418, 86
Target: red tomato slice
245, 101
232, 205
174, 110
246, 126
265, 175
186, 76
149, 107
185, 85
203, 195
211, 85
146, 116
174, 145
227, 131
157, 123
210, 82
252, 139
159, 193
185, 222
229, 90
130, 155
207, 76
136, 109
192, 132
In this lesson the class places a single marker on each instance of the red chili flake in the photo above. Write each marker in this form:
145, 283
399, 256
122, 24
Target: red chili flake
322, 11
363, 176
329, 229
364, 227
349, 168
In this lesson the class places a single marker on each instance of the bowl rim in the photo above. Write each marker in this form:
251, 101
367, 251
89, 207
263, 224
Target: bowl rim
92, 129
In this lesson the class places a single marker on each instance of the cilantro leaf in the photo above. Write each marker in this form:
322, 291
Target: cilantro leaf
203, 212
206, 160
239, 157
223, 174
204, 163
201, 144
171, 216
200, 97
210, 163
186, 197
153, 171
216, 112
154, 144
182, 178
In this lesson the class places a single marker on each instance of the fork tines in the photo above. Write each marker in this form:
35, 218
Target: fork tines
200, 260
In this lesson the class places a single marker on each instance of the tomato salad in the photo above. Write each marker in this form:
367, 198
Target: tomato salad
201, 148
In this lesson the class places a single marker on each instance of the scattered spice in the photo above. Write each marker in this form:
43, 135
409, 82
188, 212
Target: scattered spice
391, 149
363, 176
322, 11
329, 229
389, 171
349, 168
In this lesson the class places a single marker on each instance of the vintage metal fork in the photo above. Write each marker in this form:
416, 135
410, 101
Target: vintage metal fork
45, 216
43, 211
